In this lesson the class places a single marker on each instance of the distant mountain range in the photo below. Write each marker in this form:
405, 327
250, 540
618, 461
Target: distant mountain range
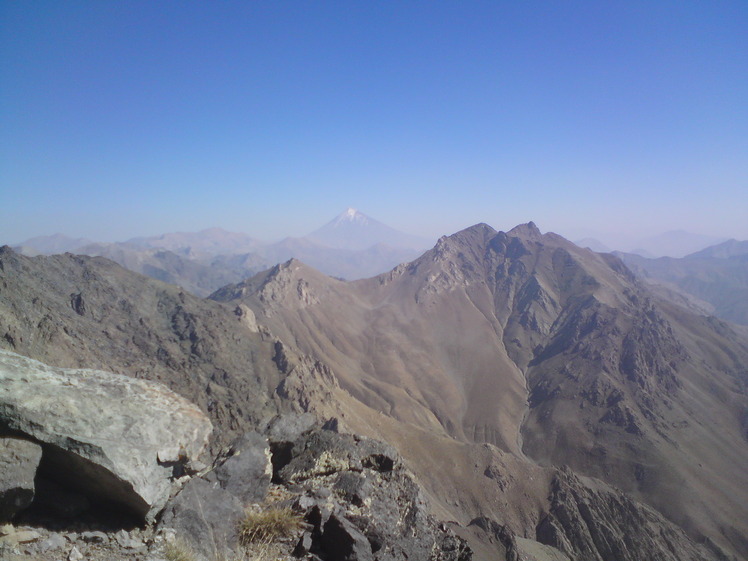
675, 243
717, 276
712, 280
351, 246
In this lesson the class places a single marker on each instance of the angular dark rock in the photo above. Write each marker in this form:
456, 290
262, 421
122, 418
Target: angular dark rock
247, 471
304, 545
363, 504
342, 541
290, 426
206, 517
325, 452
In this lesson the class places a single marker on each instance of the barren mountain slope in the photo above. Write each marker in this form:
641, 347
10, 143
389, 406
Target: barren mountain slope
196, 277
489, 362
717, 275
532, 345
75, 311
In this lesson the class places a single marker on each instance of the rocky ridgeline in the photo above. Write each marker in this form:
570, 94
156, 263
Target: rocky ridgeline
100, 466
590, 521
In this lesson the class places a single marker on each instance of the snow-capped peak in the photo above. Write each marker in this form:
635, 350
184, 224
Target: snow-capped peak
354, 230
351, 215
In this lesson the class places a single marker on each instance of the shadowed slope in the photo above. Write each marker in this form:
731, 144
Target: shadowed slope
75, 311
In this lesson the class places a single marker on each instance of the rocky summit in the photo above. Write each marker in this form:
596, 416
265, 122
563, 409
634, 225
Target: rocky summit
507, 395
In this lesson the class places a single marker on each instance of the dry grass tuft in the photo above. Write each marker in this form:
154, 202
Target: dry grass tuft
268, 525
178, 550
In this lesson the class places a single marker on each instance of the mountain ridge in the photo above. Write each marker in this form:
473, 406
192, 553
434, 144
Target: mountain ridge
491, 361
574, 325
204, 261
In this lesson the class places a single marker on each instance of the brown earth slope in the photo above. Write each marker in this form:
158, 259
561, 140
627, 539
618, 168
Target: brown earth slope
548, 354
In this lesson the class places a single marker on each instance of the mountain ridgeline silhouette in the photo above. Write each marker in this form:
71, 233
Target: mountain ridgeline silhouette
351, 246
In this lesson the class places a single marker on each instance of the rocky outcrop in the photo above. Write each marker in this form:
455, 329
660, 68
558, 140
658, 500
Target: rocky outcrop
356, 499
142, 328
207, 512
110, 437
362, 504
205, 517
246, 469
591, 521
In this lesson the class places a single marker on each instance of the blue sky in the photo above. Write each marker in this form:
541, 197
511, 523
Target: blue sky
125, 118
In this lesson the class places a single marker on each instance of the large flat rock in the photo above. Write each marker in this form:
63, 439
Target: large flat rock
110, 436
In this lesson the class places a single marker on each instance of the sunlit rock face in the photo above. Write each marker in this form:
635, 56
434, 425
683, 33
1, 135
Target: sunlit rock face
109, 436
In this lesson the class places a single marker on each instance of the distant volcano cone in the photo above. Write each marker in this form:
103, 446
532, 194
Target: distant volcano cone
354, 230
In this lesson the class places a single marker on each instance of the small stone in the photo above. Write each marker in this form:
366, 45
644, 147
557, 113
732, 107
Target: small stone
196, 466
75, 555
124, 539
26, 536
168, 454
323, 492
20, 536
53, 542
305, 502
94, 537
304, 545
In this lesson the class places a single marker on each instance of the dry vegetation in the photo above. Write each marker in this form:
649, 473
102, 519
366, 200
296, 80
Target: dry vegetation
268, 525
259, 534
178, 550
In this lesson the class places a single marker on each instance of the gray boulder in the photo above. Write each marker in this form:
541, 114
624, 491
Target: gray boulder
18, 462
290, 426
205, 517
108, 436
247, 471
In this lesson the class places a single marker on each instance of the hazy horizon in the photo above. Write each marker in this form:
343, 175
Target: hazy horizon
594, 120
673, 243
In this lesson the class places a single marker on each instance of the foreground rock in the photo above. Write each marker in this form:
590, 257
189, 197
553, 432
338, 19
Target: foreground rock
18, 462
351, 498
110, 437
205, 518
362, 504
206, 513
